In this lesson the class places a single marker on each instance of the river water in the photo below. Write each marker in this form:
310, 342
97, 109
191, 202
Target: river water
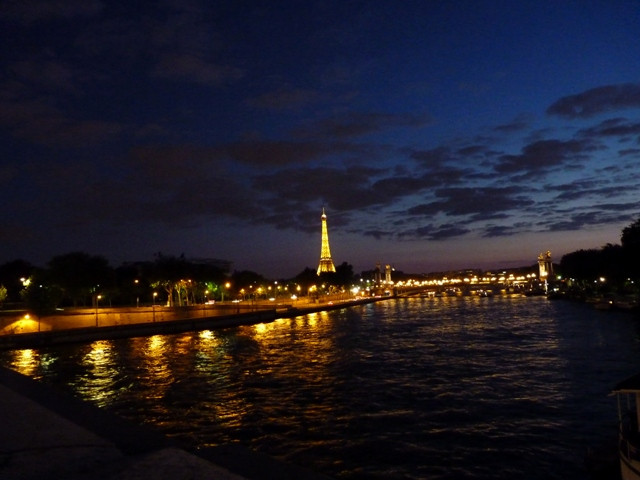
440, 388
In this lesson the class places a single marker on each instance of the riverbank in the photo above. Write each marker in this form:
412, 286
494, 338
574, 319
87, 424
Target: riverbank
71, 327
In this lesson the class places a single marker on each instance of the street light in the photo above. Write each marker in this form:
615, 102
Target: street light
97, 306
153, 305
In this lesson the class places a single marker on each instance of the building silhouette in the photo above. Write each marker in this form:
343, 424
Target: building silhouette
326, 263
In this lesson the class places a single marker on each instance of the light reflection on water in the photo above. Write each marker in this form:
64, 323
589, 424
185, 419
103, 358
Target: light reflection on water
24, 362
408, 388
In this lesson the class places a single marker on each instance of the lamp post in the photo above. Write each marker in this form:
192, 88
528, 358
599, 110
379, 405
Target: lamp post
153, 305
98, 297
204, 305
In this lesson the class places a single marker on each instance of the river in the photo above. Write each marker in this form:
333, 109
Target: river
416, 388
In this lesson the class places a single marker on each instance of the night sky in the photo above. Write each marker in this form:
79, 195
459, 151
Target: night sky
436, 134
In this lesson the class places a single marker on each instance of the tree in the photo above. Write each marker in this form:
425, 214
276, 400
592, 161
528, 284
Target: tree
631, 235
245, 278
40, 297
630, 240
166, 272
306, 278
582, 264
344, 275
12, 275
3, 294
80, 275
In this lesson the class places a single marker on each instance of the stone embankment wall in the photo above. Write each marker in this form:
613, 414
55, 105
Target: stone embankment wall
22, 322
85, 325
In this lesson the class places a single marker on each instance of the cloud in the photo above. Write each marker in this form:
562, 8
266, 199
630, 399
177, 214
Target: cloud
629, 152
285, 152
482, 202
597, 100
340, 189
579, 221
394, 187
355, 124
190, 68
36, 120
44, 73
540, 157
434, 158
517, 125
434, 232
163, 165
30, 11
614, 127
582, 189
284, 98
178, 186
474, 151
500, 231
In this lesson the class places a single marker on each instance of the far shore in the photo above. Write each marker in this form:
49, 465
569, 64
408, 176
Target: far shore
21, 330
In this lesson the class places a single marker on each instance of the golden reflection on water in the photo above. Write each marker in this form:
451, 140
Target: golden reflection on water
208, 339
156, 374
208, 352
184, 344
25, 362
98, 357
260, 328
97, 383
293, 350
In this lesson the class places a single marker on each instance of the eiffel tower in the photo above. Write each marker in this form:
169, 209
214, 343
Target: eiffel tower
326, 264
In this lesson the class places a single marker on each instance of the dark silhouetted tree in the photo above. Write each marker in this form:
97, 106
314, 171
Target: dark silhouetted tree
11, 274
40, 296
167, 272
306, 278
343, 276
630, 240
80, 276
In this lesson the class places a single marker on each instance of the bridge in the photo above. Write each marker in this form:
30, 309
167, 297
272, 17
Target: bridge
464, 285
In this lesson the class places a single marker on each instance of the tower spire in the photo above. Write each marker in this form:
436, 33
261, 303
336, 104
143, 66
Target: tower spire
326, 264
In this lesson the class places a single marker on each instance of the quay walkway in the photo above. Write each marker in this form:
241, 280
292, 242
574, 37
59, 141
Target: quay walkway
83, 326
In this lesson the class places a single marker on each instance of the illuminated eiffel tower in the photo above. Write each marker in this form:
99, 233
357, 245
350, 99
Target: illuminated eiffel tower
326, 264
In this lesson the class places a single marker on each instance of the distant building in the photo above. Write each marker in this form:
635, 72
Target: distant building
326, 263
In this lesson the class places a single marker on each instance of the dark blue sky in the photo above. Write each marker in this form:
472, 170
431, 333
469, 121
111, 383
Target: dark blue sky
436, 134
